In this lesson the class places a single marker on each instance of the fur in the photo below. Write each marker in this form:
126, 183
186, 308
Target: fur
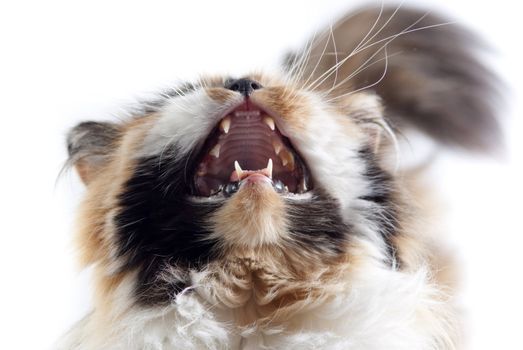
348, 264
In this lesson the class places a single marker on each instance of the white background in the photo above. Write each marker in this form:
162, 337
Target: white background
66, 61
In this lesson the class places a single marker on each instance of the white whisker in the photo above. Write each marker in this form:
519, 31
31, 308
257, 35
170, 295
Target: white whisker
361, 69
409, 31
382, 27
372, 28
336, 55
368, 86
387, 40
319, 59
334, 68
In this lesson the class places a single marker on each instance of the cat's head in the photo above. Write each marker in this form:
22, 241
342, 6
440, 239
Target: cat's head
260, 172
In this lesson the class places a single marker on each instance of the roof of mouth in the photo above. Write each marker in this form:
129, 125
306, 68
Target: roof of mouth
249, 136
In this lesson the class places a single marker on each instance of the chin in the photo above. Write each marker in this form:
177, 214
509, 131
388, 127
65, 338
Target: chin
269, 211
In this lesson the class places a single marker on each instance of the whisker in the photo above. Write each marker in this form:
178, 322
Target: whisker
334, 68
362, 68
336, 55
382, 27
368, 86
300, 60
319, 58
372, 28
383, 124
303, 61
389, 39
410, 31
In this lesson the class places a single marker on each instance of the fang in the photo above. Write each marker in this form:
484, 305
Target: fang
239, 171
270, 122
269, 167
225, 124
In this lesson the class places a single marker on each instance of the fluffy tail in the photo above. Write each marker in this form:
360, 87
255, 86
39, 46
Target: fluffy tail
425, 69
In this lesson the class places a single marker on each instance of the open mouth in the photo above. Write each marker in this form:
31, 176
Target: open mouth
247, 142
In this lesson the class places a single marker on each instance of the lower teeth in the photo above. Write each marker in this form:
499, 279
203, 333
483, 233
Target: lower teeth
233, 187
279, 186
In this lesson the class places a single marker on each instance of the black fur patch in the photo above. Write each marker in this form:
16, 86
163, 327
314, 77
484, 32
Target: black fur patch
157, 226
385, 211
159, 229
317, 224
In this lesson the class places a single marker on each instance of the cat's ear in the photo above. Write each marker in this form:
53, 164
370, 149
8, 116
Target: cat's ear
90, 145
366, 110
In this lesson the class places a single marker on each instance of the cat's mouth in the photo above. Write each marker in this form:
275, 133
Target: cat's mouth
247, 145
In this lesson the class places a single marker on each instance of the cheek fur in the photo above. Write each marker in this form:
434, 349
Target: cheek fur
186, 121
316, 226
328, 140
158, 229
162, 234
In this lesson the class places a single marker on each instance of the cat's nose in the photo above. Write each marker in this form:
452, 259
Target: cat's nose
244, 86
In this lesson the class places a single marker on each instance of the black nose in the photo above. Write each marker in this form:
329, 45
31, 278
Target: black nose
244, 86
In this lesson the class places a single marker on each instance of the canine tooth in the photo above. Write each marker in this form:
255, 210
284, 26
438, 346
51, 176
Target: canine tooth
225, 124
238, 169
270, 122
215, 151
269, 167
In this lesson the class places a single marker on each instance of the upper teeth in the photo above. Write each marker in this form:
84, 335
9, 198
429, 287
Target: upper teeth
287, 159
215, 151
247, 114
277, 146
225, 124
270, 122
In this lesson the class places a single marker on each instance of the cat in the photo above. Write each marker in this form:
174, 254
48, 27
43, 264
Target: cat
269, 211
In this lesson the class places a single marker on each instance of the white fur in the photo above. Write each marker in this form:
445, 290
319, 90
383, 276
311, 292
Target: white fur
370, 307
334, 163
376, 308
325, 145
330, 153
185, 119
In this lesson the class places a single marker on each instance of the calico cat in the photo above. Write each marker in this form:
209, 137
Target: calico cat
269, 212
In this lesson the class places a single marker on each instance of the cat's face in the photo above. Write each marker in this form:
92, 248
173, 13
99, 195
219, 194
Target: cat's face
253, 183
